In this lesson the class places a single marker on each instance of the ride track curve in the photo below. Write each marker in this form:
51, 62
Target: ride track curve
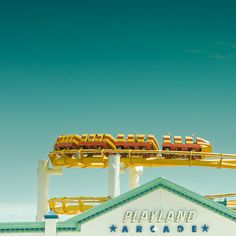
98, 157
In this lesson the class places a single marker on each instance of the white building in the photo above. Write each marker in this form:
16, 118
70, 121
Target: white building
157, 208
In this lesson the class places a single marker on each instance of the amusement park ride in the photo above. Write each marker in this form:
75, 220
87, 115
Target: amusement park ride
133, 153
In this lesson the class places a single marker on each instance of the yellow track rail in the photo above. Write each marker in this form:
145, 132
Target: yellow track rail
213, 196
77, 205
229, 197
74, 205
231, 204
97, 158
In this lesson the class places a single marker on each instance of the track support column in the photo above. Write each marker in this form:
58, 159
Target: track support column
114, 175
134, 176
42, 202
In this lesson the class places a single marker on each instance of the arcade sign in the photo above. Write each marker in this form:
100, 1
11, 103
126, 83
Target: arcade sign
159, 221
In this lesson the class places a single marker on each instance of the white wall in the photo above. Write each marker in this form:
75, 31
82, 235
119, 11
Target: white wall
74, 234
160, 200
22, 234
71, 234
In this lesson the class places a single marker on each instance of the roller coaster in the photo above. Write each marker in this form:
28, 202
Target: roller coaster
94, 151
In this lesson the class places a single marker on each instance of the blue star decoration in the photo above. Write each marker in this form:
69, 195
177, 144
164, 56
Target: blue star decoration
113, 228
205, 228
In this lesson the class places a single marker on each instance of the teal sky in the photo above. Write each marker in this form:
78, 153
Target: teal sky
114, 67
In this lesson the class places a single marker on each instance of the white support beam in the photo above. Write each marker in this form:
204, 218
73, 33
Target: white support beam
134, 176
43, 172
114, 175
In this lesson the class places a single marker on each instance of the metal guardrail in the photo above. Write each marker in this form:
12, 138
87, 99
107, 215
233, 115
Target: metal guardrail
98, 158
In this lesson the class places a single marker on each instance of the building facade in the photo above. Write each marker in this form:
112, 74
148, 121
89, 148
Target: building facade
159, 207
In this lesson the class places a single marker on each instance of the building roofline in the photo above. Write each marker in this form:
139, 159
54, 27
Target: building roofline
22, 227
76, 221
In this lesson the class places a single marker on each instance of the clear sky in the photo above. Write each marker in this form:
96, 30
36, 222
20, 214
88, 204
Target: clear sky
114, 67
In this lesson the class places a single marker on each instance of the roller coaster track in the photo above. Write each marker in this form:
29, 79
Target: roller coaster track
226, 195
229, 199
98, 158
75, 205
